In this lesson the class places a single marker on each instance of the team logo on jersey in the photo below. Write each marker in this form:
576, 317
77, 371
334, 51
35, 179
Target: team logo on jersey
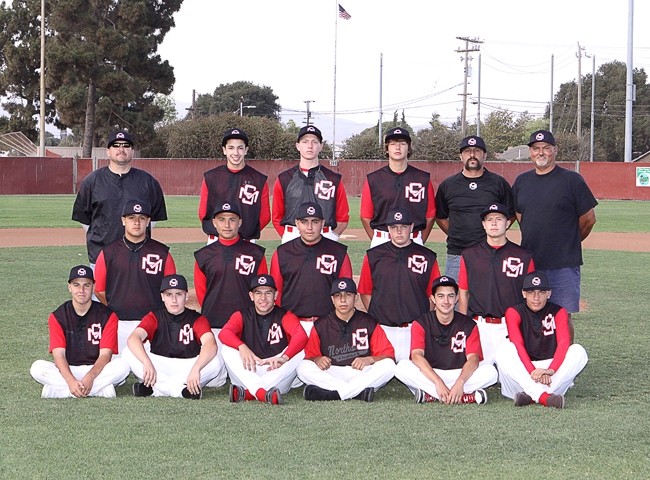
473, 186
95, 333
245, 264
548, 325
326, 264
186, 334
248, 194
152, 264
275, 334
414, 192
459, 342
418, 264
513, 267
360, 339
325, 190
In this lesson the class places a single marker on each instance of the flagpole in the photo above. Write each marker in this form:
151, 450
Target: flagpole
336, 29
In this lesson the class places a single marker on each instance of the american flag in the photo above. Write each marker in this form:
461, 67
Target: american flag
343, 13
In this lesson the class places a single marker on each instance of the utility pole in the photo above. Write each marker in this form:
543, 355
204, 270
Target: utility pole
309, 111
475, 48
580, 54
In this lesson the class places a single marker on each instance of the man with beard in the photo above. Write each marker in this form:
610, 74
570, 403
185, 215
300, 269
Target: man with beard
462, 197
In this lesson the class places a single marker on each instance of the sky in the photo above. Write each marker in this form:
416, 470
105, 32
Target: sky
288, 45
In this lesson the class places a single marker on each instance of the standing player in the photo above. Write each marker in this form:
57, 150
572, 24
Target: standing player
309, 181
396, 279
539, 364
491, 276
129, 270
397, 185
103, 193
239, 182
445, 353
262, 346
183, 352
305, 268
462, 197
83, 339
347, 354
555, 209
223, 271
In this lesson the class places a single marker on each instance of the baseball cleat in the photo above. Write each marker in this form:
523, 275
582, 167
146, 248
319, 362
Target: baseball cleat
274, 397
315, 393
141, 390
236, 394
367, 395
480, 396
555, 401
522, 399
192, 396
423, 397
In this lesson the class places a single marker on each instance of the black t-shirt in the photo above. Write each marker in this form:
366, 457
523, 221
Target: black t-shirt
550, 206
462, 200
100, 200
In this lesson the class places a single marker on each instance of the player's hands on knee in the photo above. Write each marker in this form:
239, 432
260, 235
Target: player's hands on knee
77, 388
360, 363
275, 362
323, 362
249, 360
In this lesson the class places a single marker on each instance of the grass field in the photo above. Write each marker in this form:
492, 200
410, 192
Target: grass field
603, 432
53, 211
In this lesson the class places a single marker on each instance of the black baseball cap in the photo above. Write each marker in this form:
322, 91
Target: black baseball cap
541, 136
310, 130
234, 133
136, 207
398, 216
443, 281
343, 284
536, 281
262, 281
310, 209
119, 136
230, 207
495, 208
472, 141
397, 132
173, 281
81, 271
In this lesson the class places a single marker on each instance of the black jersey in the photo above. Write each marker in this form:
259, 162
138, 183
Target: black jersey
264, 334
100, 199
175, 336
133, 274
400, 279
462, 200
495, 277
228, 271
83, 334
538, 330
319, 186
550, 206
408, 191
307, 273
244, 187
446, 346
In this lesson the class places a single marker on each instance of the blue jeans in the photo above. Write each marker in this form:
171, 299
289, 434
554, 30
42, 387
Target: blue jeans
452, 267
565, 287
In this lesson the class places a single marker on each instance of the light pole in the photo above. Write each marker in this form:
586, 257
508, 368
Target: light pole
41, 148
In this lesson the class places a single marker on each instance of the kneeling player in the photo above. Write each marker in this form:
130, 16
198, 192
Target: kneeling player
539, 363
83, 339
445, 353
347, 354
262, 346
183, 349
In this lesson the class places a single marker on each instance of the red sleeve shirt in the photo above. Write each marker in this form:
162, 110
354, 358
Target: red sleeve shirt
277, 212
170, 266
277, 276
203, 201
342, 213
296, 334
230, 334
435, 273
365, 280
431, 206
346, 268
100, 273
57, 336
201, 327
150, 324
380, 346
312, 349
367, 209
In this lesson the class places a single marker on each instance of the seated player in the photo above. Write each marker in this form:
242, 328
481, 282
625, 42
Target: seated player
83, 339
348, 354
539, 363
183, 356
445, 353
262, 346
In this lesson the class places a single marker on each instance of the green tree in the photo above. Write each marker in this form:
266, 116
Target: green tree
168, 105
437, 143
228, 96
103, 71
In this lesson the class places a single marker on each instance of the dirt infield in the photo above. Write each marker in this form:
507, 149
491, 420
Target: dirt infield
54, 237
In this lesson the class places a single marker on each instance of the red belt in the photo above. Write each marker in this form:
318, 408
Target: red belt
497, 320
308, 319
